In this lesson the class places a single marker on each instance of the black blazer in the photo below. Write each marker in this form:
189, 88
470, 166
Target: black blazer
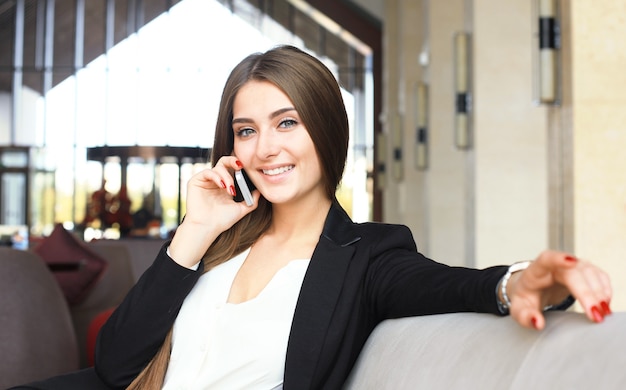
359, 275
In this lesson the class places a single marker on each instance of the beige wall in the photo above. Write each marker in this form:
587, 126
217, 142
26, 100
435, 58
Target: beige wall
536, 176
432, 202
446, 181
402, 49
598, 108
510, 136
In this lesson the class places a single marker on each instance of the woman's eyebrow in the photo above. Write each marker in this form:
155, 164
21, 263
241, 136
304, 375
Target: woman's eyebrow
281, 111
271, 116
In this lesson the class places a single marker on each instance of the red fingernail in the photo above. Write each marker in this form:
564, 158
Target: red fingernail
232, 191
239, 164
223, 184
606, 308
570, 258
597, 316
534, 322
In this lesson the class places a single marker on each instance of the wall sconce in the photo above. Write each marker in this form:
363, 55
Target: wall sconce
462, 90
396, 144
397, 168
421, 133
381, 160
546, 54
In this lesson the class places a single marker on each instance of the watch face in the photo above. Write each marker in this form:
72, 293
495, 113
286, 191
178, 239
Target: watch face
519, 266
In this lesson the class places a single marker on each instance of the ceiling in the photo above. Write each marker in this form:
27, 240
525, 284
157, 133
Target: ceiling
358, 17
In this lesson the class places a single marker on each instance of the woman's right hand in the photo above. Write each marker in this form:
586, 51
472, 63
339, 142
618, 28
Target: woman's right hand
210, 211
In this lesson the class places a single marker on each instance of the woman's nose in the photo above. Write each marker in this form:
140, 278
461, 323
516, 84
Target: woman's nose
268, 144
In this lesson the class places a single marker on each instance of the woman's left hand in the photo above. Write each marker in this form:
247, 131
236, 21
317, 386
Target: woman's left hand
549, 280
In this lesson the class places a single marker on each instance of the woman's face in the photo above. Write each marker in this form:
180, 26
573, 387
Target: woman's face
274, 146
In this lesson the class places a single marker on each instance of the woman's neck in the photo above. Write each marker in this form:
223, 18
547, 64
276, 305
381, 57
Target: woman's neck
299, 221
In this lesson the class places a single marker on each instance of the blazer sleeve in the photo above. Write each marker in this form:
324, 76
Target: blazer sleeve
137, 328
402, 282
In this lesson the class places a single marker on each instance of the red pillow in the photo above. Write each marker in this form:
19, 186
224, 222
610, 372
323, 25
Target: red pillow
92, 334
76, 268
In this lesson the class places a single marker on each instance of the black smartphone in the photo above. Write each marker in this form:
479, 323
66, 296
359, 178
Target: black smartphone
243, 188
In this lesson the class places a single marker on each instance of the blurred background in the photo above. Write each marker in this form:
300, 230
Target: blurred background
492, 129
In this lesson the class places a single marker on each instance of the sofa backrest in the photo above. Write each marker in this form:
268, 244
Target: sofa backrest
483, 351
142, 253
107, 293
36, 334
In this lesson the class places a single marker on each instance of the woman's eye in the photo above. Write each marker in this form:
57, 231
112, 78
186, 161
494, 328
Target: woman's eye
245, 132
287, 123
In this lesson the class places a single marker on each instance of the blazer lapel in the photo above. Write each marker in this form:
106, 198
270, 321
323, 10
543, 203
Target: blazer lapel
321, 288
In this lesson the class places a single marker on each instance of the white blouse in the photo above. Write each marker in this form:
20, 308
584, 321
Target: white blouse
220, 345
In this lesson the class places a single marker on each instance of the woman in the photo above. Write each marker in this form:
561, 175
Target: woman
284, 293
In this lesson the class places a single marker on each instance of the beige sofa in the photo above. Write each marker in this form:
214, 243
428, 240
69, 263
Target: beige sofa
480, 351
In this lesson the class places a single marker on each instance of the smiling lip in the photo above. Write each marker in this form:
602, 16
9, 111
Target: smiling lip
277, 171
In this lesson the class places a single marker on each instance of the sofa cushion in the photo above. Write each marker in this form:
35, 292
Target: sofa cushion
75, 267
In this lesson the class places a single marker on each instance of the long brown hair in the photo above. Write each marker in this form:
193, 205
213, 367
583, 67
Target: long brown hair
316, 96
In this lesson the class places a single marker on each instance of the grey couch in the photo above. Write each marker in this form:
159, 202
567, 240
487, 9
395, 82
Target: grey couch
450, 351
480, 351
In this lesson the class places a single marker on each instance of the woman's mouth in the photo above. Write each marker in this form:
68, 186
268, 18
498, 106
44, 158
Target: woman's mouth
277, 171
